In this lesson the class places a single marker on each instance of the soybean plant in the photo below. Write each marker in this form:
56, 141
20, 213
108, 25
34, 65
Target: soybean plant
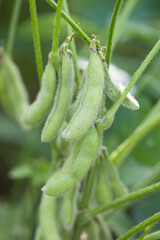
85, 180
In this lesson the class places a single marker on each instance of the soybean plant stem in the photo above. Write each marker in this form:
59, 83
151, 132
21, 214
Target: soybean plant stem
73, 47
145, 232
86, 215
153, 236
87, 193
112, 30
13, 25
36, 38
103, 124
89, 186
140, 226
125, 13
71, 22
54, 53
119, 155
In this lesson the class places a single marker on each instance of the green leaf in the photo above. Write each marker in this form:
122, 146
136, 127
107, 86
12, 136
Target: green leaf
21, 171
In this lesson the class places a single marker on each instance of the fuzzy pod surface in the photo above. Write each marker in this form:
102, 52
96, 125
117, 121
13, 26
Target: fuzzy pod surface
62, 101
13, 93
38, 110
103, 191
117, 186
69, 208
75, 105
88, 109
47, 218
88, 148
92, 230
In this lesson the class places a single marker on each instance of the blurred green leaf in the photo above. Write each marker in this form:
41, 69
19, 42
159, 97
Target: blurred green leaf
21, 171
120, 222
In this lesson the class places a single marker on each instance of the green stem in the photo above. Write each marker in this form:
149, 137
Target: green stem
125, 13
112, 30
103, 123
153, 236
87, 194
86, 215
73, 47
54, 52
71, 22
13, 25
89, 186
36, 38
119, 155
145, 232
140, 226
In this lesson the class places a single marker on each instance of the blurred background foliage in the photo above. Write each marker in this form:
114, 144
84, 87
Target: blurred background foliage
26, 162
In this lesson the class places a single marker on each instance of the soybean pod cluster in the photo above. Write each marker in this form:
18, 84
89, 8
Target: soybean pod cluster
68, 112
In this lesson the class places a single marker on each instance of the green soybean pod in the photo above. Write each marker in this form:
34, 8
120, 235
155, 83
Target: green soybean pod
86, 155
69, 208
62, 101
63, 146
105, 233
117, 186
92, 229
38, 234
47, 218
13, 93
4, 97
114, 91
75, 105
88, 109
38, 110
17, 84
103, 191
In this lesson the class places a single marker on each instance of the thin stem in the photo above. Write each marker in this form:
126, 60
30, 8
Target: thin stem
89, 186
71, 22
119, 155
145, 232
140, 226
112, 30
36, 38
87, 194
103, 123
73, 47
54, 52
153, 236
125, 13
12, 27
86, 215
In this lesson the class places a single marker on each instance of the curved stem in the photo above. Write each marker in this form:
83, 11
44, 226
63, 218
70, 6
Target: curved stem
126, 11
86, 215
103, 123
140, 226
13, 25
54, 52
36, 38
73, 47
112, 30
145, 232
88, 189
119, 155
71, 22
89, 186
